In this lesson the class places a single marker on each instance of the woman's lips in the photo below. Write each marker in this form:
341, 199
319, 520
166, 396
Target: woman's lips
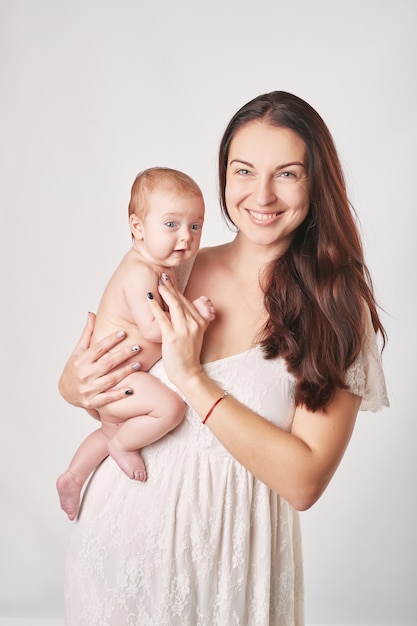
264, 217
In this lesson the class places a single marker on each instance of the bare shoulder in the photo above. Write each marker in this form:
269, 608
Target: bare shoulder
135, 270
207, 273
210, 258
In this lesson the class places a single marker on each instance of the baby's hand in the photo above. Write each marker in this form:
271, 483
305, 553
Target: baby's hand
205, 307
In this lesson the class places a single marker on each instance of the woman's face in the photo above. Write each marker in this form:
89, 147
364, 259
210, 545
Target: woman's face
267, 191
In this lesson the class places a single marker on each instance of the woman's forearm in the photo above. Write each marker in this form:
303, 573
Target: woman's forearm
299, 464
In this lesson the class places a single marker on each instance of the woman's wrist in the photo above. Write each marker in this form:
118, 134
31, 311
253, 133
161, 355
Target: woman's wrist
203, 394
213, 406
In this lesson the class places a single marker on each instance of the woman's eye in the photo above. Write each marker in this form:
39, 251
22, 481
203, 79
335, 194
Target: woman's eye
291, 177
243, 172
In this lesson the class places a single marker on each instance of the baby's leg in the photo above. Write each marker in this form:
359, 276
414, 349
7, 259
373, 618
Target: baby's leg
156, 410
88, 456
129, 461
205, 307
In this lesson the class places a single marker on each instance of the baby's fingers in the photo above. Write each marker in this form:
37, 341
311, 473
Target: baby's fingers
178, 304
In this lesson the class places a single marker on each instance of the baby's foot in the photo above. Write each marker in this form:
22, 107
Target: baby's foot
129, 461
69, 491
205, 307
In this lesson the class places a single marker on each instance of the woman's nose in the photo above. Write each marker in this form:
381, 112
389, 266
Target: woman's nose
265, 192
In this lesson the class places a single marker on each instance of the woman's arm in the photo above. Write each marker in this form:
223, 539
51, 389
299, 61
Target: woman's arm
297, 465
92, 370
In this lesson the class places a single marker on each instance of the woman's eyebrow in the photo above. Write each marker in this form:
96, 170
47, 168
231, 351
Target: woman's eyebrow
241, 161
278, 167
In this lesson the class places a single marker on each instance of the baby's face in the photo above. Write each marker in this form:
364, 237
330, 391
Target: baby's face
171, 228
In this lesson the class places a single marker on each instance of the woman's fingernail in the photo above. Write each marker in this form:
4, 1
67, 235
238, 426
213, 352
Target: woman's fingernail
135, 367
128, 392
135, 348
160, 282
120, 333
165, 276
150, 295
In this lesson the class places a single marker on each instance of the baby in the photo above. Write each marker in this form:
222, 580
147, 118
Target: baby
166, 214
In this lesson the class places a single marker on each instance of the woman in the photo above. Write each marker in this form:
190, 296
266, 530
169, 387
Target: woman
273, 387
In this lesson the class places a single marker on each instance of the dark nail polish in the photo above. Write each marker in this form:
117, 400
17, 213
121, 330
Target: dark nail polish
128, 392
150, 295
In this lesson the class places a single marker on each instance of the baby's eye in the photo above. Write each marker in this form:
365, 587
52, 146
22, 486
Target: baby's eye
170, 224
195, 227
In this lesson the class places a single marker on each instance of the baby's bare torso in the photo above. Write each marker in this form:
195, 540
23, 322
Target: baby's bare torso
124, 306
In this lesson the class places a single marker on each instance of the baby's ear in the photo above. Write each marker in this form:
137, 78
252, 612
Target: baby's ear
136, 226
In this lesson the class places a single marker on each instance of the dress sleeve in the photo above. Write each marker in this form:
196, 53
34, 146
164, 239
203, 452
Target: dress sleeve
365, 376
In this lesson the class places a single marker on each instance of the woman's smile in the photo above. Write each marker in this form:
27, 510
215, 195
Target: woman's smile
264, 217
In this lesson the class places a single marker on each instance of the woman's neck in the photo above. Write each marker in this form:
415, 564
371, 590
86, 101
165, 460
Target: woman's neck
248, 260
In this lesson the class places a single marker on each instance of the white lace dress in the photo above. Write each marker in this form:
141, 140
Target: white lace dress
202, 542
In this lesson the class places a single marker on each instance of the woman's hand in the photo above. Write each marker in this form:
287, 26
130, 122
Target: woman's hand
91, 371
182, 330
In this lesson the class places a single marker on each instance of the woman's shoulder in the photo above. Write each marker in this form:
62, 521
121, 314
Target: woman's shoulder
209, 263
211, 255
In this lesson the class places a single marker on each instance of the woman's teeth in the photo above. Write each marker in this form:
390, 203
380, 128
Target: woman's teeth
262, 217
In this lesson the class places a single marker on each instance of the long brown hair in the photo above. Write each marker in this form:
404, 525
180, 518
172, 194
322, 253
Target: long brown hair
316, 290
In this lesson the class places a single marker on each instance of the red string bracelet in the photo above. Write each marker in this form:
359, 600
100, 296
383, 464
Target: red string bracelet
214, 406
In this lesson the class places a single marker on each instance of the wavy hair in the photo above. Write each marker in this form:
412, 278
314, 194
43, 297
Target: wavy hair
315, 291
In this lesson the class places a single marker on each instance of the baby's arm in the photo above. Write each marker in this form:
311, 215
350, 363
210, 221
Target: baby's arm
141, 280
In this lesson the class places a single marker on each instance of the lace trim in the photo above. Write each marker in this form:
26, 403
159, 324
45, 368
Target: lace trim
365, 376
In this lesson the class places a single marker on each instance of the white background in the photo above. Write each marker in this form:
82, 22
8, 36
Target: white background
92, 91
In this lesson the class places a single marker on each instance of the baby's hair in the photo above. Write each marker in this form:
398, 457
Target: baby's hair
156, 178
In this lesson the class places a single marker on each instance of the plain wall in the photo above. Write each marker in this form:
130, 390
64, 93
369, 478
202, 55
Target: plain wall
92, 91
